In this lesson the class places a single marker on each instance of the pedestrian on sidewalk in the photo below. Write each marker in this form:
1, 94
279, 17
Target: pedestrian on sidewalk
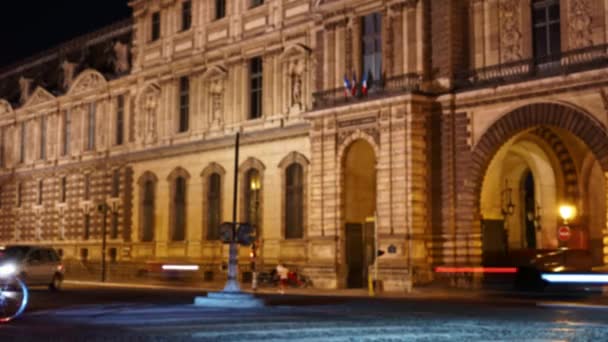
283, 273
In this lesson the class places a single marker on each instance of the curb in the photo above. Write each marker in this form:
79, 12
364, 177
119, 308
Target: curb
570, 305
132, 285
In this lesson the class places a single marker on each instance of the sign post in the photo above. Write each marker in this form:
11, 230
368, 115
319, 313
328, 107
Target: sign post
564, 233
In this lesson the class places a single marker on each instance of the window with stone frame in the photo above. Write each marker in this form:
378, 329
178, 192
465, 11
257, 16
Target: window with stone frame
63, 189
40, 191
114, 226
147, 234
120, 120
155, 27
371, 50
253, 190
186, 15
19, 199
43, 137
214, 207
87, 187
86, 234
220, 9
116, 183
178, 233
91, 121
294, 202
67, 131
255, 87
184, 104
546, 29
22, 146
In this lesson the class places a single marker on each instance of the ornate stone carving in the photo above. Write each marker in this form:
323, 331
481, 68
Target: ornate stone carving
580, 24
148, 124
216, 90
39, 96
296, 71
121, 57
5, 107
68, 74
89, 81
510, 34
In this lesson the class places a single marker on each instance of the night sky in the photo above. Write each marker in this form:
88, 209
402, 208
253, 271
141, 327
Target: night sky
31, 26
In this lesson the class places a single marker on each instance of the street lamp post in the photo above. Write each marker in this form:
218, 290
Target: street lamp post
232, 284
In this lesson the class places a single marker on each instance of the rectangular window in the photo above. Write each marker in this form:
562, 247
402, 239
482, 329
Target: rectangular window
114, 229
19, 194
186, 15
43, 138
155, 34
184, 102
87, 186
546, 26
214, 206
67, 131
120, 119
40, 191
116, 183
64, 189
371, 43
22, 147
255, 3
87, 227
91, 127
255, 88
220, 9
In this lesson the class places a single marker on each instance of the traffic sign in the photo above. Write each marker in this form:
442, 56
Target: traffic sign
227, 232
563, 233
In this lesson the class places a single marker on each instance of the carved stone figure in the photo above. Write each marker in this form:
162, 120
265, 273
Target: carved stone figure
121, 57
296, 70
216, 89
510, 32
24, 85
150, 104
90, 81
580, 24
68, 74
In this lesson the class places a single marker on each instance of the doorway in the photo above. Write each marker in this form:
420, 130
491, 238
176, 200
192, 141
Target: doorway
359, 206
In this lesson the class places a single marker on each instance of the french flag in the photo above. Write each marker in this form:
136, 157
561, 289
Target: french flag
346, 86
353, 90
364, 85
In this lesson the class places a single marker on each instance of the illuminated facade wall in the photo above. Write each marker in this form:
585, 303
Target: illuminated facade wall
146, 128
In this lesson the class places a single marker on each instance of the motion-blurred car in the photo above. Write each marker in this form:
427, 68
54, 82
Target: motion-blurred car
32, 264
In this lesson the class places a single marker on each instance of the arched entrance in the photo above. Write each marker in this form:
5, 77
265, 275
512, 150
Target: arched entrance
524, 167
359, 205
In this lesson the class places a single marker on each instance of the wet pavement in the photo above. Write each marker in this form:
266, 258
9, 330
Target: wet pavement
116, 314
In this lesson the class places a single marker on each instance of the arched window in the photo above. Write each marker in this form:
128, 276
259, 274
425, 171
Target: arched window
148, 212
253, 189
178, 232
214, 214
294, 202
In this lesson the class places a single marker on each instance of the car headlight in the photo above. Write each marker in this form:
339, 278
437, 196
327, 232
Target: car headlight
7, 270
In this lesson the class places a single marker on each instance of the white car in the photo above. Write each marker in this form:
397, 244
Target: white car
33, 264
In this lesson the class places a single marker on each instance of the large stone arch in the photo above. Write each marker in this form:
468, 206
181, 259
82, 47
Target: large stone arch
574, 120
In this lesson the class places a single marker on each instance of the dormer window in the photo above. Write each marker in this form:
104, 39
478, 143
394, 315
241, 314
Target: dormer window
155, 26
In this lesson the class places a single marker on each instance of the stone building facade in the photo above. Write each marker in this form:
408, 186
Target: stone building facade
442, 132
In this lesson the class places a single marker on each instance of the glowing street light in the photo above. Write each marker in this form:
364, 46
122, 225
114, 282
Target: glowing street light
567, 212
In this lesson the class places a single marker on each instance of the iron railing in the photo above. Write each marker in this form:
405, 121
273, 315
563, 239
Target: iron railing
567, 62
379, 88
